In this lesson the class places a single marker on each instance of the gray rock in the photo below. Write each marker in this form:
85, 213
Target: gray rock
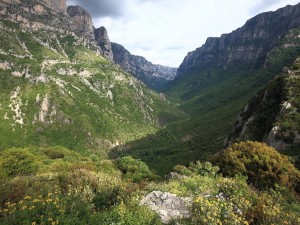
82, 21
168, 206
103, 41
248, 44
174, 176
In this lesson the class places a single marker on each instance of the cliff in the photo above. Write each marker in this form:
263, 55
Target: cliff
82, 21
248, 44
103, 41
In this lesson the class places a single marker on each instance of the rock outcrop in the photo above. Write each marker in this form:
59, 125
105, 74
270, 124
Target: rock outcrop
169, 206
154, 76
103, 41
248, 44
82, 21
56, 5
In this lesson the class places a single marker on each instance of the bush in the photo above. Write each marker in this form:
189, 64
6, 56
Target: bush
16, 162
204, 169
182, 170
262, 164
135, 169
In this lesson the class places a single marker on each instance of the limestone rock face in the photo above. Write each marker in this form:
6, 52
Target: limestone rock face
168, 206
154, 76
82, 21
103, 41
56, 5
248, 44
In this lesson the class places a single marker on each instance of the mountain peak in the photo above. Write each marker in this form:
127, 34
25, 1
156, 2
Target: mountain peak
82, 21
103, 41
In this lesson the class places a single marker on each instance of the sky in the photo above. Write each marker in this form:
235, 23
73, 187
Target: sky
164, 31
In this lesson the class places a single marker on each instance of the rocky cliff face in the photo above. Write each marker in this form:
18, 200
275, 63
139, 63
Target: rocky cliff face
248, 44
103, 41
56, 5
154, 76
82, 21
272, 116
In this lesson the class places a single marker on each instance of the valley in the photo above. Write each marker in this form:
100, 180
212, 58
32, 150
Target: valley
89, 130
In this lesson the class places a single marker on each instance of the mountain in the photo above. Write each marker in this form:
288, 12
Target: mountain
57, 89
247, 45
154, 76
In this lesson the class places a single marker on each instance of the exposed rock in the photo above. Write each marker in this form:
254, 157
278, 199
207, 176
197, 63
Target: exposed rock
56, 5
82, 21
103, 41
174, 176
154, 76
249, 44
67, 72
5, 65
168, 206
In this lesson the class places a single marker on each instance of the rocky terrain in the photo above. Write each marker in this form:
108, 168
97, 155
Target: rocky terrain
154, 76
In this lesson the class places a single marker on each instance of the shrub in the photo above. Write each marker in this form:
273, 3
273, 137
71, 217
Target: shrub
215, 210
204, 169
262, 164
17, 161
135, 169
54, 154
182, 170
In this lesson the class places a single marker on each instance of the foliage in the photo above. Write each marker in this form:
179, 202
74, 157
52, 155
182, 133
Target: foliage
135, 169
129, 212
262, 164
17, 161
215, 210
204, 169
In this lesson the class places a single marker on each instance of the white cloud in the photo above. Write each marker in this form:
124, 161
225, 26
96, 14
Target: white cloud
163, 31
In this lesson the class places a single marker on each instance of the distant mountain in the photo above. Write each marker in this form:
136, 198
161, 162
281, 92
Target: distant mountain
154, 76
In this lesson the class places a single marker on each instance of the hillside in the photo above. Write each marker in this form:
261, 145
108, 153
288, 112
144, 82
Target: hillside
56, 89
272, 115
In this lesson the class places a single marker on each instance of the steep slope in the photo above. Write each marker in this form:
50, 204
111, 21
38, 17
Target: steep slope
154, 76
56, 89
273, 115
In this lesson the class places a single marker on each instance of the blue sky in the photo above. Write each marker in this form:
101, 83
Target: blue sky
164, 31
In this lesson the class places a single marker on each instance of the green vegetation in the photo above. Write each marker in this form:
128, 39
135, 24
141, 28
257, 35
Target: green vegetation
263, 165
76, 189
